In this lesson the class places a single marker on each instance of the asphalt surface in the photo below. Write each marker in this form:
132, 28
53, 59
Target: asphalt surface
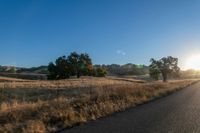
176, 113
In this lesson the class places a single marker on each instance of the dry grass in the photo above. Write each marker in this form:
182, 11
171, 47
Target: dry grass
5, 79
85, 82
44, 106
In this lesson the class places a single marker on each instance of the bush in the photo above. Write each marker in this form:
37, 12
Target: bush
100, 72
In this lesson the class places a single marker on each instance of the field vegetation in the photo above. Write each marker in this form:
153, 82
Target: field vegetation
48, 106
40, 106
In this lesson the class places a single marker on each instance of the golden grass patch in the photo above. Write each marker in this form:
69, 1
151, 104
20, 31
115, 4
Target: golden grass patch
44, 106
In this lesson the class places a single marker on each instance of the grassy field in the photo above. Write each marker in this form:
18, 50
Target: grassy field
47, 106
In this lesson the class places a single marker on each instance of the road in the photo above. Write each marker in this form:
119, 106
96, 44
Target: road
176, 113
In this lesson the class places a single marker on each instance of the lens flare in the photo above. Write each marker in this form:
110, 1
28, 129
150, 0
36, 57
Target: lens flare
193, 62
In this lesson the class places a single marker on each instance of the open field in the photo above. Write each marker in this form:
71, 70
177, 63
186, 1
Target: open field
44, 106
31, 76
5, 79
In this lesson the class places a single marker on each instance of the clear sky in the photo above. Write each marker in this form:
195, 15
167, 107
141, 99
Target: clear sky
35, 32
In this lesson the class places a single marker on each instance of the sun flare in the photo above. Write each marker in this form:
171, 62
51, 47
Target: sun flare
193, 62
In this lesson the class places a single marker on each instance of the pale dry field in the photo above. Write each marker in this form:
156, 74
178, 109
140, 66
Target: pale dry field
46, 106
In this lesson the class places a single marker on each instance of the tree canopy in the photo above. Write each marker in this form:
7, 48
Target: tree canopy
165, 66
80, 64
73, 65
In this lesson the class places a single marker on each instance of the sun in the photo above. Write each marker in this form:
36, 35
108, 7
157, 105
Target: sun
193, 62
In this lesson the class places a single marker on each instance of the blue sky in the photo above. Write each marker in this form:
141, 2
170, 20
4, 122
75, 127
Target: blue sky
35, 32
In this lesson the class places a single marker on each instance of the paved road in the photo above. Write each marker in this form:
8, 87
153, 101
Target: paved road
177, 113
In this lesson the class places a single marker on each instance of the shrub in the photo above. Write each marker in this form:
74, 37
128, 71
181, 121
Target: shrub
100, 72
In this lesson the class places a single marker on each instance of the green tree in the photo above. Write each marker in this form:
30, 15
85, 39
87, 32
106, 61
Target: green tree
12, 70
79, 64
52, 71
63, 68
74, 64
59, 70
165, 66
100, 72
154, 71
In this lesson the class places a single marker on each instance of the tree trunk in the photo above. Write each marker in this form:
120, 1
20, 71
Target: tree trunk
164, 75
78, 75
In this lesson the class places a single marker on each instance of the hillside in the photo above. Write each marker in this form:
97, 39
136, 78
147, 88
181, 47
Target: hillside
113, 69
13, 69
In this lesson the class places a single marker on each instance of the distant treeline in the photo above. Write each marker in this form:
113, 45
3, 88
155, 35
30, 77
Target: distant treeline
37, 70
33, 70
127, 69
34, 73
113, 69
78, 65
190, 73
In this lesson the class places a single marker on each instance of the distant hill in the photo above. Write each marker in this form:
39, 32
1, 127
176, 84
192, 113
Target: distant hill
35, 70
127, 69
34, 73
113, 69
42, 71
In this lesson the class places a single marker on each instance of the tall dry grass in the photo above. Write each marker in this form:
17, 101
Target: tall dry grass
46, 106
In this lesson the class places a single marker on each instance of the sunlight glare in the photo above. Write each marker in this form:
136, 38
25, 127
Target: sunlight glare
193, 62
